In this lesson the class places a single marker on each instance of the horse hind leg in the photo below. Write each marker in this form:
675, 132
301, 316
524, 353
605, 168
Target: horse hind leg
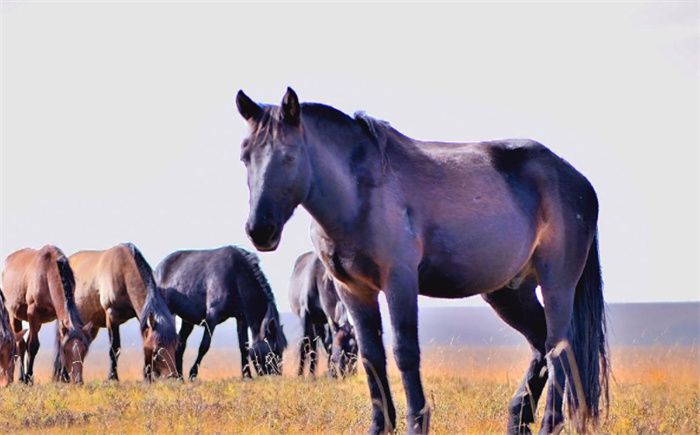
522, 311
558, 276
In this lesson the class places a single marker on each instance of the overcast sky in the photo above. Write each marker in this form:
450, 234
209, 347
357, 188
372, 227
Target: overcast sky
119, 121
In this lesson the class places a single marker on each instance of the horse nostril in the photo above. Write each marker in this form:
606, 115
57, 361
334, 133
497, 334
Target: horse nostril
261, 234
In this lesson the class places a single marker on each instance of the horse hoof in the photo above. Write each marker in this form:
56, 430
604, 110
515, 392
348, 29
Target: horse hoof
519, 430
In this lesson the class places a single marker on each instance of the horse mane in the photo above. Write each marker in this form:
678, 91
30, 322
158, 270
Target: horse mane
253, 263
155, 305
6, 335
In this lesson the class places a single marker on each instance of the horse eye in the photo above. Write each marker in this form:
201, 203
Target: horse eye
245, 157
288, 159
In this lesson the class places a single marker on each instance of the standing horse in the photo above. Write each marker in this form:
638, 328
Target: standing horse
315, 301
207, 287
8, 345
39, 287
406, 217
115, 285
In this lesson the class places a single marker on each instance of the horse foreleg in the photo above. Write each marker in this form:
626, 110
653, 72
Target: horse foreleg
115, 346
243, 346
368, 321
209, 325
522, 311
402, 298
21, 349
185, 331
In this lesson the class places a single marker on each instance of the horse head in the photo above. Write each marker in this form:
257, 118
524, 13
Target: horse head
74, 343
8, 355
159, 345
344, 350
267, 349
279, 172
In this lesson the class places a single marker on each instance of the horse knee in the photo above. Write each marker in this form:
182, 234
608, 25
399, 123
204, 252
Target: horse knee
407, 356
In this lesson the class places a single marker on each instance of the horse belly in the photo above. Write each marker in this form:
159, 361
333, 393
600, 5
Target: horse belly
458, 264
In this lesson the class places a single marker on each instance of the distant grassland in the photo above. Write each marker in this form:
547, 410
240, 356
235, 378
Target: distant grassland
655, 390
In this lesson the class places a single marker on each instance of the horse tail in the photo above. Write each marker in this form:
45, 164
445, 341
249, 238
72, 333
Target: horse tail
589, 345
57, 374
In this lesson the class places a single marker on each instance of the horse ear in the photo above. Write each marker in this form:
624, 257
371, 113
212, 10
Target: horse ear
268, 327
291, 110
248, 108
87, 328
151, 321
20, 334
62, 327
333, 325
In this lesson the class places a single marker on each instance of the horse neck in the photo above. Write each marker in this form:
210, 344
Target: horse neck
254, 298
334, 194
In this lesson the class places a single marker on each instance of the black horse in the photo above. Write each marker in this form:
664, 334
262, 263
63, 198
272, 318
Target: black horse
408, 217
314, 299
207, 287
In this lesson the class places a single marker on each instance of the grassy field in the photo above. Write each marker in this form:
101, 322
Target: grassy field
655, 390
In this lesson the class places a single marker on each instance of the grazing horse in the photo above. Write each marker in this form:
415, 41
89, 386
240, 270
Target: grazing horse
115, 285
447, 220
207, 287
39, 287
8, 345
315, 301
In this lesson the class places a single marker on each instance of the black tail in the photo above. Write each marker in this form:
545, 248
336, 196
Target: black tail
589, 345
60, 374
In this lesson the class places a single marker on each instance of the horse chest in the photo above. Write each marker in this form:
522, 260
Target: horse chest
353, 267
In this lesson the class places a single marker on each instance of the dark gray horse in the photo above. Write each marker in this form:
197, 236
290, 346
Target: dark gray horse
314, 299
207, 287
402, 216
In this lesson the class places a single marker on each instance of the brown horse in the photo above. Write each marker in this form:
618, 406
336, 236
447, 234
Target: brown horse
408, 217
115, 285
39, 287
8, 345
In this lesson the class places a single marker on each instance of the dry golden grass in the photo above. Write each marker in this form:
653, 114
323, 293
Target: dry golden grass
655, 391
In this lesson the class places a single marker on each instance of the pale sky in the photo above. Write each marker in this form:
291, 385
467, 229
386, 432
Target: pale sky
119, 121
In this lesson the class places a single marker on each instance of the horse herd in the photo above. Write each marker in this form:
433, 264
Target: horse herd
390, 214
103, 289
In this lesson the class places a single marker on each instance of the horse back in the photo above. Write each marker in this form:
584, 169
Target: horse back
481, 211
302, 284
107, 280
199, 283
26, 278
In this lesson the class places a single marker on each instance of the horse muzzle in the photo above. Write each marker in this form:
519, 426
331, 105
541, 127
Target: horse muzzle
265, 237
